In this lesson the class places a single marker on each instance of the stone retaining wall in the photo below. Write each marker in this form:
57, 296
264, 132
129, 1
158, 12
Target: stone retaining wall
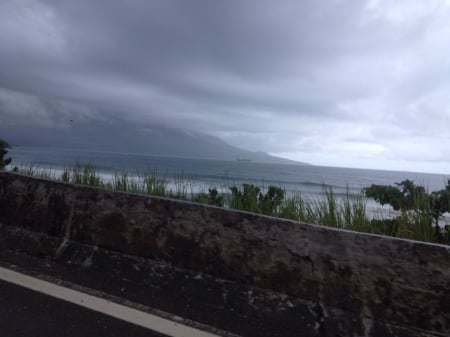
378, 282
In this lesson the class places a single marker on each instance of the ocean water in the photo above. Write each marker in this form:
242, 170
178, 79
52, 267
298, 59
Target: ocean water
202, 174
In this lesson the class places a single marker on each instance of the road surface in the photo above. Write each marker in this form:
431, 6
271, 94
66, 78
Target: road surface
30, 307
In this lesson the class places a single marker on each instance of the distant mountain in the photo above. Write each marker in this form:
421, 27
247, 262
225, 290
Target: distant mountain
120, 136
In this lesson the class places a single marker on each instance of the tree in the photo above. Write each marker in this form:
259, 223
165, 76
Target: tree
408, 196
404, 196
411, 194
385, 194
3, 161
440, 200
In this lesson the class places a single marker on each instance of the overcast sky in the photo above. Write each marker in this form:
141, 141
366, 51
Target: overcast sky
338, 83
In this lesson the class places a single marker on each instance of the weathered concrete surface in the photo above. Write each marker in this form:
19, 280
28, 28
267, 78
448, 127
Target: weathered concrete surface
351, 284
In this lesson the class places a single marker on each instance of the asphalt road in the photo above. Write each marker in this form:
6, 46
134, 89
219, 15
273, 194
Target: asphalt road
27, 313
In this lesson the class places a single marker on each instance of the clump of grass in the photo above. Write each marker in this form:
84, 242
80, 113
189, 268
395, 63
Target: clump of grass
294, 207
347, 212
35, 171
328, 210
354, 210
417, 224
85, 175
121, 181
154, 185
181, 187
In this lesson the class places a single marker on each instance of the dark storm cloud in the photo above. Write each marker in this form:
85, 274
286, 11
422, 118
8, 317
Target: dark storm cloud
202, 51
319, 81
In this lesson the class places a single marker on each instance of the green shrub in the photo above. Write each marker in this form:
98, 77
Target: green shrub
250, 198
213, 197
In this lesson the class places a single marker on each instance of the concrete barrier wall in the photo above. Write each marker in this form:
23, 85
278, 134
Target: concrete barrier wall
376, 280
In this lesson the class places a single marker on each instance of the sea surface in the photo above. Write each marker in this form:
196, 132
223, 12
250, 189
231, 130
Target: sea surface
201, 174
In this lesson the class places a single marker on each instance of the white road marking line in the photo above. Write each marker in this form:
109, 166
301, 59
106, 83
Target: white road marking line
146, 320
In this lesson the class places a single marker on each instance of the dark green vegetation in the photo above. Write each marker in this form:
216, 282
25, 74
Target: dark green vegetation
417, 207
4, 161
252, 199
416, 218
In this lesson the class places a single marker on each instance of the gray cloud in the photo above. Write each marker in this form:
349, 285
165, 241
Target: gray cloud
350, 83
